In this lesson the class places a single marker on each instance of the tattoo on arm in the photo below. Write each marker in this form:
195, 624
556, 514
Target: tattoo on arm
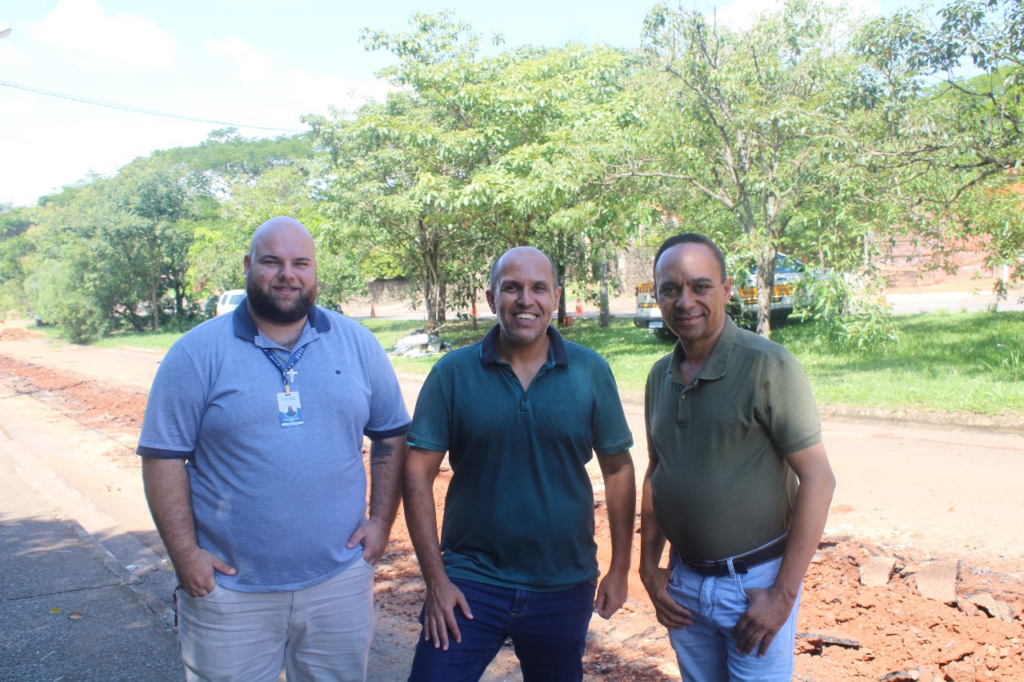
380, 452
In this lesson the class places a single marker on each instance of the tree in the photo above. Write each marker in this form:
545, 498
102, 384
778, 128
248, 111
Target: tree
756, 131
109, 250
470, 156
14, 249
956, 94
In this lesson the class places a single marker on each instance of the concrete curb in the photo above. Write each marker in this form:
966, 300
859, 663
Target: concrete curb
135, 565
964, 420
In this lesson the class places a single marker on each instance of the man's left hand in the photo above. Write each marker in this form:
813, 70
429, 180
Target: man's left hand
373, 534
611, 594
766, 614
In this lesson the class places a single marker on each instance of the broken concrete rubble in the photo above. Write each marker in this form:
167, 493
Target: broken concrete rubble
877, 571
992, 606
938, 580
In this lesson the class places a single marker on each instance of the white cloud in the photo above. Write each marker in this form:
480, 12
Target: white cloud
82, 29
294, 89
251, 65
11, 57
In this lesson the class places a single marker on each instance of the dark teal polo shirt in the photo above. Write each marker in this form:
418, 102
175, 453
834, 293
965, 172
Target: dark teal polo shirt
520, 507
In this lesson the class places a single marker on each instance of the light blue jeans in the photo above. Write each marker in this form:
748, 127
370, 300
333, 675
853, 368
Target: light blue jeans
706, 650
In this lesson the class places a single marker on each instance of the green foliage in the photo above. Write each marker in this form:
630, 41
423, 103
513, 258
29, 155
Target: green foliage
14, 248
472, 156
106, 253
808, 133
59, 298
957, 142
757, 133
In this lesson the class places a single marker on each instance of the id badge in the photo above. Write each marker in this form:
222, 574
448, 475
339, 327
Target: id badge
289, 408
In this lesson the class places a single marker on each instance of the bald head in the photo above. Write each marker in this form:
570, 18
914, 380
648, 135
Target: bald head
515, 253
283, 228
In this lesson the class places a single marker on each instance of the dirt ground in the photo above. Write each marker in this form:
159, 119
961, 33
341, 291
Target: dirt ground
848, 631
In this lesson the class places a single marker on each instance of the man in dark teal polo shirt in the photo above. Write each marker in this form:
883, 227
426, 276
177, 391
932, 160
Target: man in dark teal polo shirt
520, 414
738, 480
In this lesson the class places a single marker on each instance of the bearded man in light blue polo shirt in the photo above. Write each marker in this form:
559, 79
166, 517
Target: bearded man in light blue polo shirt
253, 470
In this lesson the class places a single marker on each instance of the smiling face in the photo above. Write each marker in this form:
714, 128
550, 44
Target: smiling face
280, 272
691, 292
523, 295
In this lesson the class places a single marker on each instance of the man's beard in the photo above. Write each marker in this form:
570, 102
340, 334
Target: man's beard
267, 308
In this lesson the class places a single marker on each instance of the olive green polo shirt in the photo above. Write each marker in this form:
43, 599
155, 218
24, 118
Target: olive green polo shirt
722, 486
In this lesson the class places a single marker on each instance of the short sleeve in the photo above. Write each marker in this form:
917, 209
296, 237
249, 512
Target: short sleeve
431, 422
610, 429
175, 408
788, 406
388, 416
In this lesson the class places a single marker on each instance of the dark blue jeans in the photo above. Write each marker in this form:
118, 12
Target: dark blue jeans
548, 630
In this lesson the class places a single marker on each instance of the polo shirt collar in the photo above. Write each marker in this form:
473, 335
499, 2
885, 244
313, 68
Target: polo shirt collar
245, 327
489, 347
716, 363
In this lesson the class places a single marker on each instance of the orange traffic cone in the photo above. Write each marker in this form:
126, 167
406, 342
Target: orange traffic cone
579, 306
373, 311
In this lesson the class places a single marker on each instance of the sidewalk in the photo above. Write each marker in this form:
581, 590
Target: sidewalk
65, 608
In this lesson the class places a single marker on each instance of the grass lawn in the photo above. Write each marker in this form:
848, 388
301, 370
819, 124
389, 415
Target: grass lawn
949, 362
954, 362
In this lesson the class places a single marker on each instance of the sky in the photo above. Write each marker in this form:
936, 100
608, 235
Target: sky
257, 65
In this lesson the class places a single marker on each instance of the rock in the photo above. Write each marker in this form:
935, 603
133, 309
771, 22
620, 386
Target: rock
820, 640
959, 672
938, 580
954, 652
830, 595
877, 571
992, 606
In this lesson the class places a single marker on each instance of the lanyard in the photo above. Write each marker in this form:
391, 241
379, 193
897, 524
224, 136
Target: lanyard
287, 373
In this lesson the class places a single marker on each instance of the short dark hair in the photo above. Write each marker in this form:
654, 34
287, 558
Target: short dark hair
690, 238
494, 270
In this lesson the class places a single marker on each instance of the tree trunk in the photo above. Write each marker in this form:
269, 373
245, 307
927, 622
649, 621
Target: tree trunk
606, 315
560, 267
434, 298
155, 309
765, 288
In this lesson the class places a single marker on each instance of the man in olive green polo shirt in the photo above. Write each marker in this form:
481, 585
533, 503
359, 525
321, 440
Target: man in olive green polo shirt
738, 480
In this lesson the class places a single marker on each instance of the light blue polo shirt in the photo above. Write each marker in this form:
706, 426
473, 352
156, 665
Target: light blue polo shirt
277, 503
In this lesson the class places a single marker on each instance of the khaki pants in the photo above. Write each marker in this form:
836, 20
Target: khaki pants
321, 632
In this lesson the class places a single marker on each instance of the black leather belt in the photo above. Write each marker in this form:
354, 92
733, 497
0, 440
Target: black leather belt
740, 563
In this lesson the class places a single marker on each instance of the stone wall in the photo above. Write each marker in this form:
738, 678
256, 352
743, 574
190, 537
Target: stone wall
389, 290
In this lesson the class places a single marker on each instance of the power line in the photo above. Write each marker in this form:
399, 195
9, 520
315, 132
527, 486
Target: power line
138, 110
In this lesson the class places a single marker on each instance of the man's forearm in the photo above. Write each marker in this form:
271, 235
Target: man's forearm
421, 514
387, 466
620, 498
652, 537
810, 512
168, 494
